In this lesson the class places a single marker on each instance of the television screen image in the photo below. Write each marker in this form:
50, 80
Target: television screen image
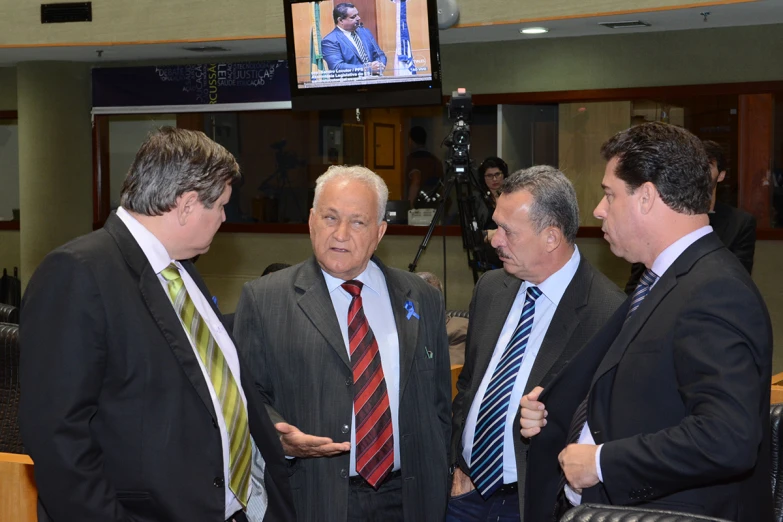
363, 45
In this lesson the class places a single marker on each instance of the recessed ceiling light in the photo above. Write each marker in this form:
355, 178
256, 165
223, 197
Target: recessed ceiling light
534, 30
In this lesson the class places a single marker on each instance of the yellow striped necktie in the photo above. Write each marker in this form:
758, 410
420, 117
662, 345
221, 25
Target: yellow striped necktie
226, 389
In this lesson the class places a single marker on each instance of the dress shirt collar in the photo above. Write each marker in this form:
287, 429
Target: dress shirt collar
372, 277
347, 33
554, 286
670, 254
156, 253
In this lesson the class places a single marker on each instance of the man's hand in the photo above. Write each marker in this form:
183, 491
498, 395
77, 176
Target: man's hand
461, 484
298, 444
578, 463
376, 67
532, 416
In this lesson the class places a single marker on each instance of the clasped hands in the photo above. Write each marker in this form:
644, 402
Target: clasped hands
301, 445
577, 460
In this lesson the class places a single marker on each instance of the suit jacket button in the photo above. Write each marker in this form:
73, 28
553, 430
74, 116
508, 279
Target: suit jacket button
349, 381
344, 473
219, 482
345, 428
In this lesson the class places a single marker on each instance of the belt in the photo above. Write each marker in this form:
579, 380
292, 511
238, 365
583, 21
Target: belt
239, 516
507, 488
357, 481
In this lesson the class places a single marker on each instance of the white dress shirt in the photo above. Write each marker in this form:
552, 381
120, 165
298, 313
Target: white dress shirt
378, 310
661, 264
552, 290
159, 259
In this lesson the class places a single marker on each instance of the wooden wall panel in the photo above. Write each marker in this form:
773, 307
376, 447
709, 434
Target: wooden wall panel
755, 156
583, 128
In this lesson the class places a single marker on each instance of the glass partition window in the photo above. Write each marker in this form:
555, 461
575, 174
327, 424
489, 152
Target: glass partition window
126, 134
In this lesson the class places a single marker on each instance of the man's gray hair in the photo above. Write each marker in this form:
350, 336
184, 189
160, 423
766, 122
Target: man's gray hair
172, 162
431, 280
554, 198
356, 173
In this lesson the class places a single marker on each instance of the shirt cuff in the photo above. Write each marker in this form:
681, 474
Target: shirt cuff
573, 497
598, 463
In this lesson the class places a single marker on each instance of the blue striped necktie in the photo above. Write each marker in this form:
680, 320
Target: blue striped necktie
642, 289
486, 468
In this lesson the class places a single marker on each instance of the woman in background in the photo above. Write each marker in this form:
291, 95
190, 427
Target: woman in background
491, 174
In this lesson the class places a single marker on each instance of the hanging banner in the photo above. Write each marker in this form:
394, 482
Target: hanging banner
191, 88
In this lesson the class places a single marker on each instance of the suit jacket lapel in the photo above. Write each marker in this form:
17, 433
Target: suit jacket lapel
564, 322
160, 308
499, 308
347, 41
407, 329
317, 305
682, 265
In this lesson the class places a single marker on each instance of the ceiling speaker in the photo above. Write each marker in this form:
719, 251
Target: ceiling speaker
448, 13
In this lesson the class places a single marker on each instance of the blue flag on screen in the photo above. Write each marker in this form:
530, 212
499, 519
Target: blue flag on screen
403, 60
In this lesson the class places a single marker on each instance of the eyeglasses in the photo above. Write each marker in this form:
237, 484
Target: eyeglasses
496, 175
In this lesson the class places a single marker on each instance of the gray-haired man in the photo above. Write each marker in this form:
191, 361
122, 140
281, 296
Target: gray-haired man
526, 322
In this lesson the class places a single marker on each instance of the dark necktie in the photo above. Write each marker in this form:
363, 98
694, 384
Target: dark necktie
580, 416
359, 46
486, 467
374, 434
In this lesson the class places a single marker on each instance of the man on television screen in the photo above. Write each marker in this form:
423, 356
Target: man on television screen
350, 46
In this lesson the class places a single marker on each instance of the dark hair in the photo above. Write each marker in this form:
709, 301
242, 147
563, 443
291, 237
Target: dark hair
418, 135
274, 267
554, 198
669, 157
341, 11
491, 162
172, 162
715, 153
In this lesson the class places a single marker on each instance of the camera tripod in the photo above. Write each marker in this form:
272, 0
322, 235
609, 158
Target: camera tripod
472, 237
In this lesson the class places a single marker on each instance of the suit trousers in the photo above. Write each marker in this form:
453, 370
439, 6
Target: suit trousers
502, 506
365, 504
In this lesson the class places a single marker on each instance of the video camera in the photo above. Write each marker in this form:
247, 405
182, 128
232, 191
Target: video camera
458, 141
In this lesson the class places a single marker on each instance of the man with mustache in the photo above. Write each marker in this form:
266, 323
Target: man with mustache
526, 322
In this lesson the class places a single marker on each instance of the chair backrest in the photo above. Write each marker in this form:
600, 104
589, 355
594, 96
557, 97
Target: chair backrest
458, 313
776, 467
10, 289
10, 438
9, 314
599, 513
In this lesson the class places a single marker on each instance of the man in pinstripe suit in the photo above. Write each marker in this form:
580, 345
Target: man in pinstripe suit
526, 323
352, 359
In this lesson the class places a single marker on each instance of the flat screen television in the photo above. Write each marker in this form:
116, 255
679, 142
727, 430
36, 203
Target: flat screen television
366, 53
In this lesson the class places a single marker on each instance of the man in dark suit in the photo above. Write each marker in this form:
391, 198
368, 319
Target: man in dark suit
735, 228
526, 323
122, 408
677, 416
352, 359
351, 47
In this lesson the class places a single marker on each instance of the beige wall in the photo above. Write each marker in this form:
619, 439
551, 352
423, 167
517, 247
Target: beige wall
737, 54
152, 20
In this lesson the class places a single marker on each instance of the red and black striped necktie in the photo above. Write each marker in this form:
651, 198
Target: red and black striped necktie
374, 436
